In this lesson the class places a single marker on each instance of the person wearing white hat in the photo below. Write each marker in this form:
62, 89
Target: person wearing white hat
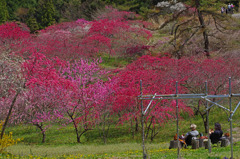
191, 134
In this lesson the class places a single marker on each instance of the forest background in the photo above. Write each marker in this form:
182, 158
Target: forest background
74, 67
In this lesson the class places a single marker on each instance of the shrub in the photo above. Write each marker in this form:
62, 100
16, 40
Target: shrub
7, 140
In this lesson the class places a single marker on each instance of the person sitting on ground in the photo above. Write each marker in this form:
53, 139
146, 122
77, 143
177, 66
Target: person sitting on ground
217, 134
191, 134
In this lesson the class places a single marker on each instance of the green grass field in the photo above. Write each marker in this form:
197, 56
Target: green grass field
61, 141
122, 150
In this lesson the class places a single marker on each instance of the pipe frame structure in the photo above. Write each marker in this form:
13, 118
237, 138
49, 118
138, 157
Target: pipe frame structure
177, 96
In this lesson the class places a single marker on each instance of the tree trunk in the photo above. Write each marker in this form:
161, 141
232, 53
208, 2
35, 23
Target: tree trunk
76, 130
205, 126
202, 23
75, 127
42, 131
9, 113
204, 118
43, 136
136, 125
132, 129
149, 127
105, 128
104, 123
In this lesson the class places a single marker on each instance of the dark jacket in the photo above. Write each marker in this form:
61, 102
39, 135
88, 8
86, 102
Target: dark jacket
188, 137
215, 136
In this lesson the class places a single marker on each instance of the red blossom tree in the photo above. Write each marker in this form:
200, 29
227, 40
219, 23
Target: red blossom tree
156, 77
40, 98
115, 36
83, 39
12, 32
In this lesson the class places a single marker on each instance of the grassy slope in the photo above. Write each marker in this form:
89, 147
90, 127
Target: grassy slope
62, 141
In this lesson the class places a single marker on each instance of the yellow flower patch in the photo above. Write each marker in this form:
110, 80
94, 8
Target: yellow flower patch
7, 140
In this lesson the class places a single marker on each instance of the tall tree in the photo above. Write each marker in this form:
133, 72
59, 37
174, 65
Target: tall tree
13, 7
32, 21
45, 13
197, 17
76, 9
3, 11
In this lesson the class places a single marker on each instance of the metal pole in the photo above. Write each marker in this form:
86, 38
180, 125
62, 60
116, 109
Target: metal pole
230, 107
209, 143
177, 120
142, 122
157, 97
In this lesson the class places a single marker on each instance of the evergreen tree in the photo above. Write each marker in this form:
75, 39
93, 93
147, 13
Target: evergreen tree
77, 9
3, 11
45, 13
60, 8
32, 21
141, 7
16, 6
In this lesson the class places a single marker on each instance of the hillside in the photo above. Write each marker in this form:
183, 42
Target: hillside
72, 89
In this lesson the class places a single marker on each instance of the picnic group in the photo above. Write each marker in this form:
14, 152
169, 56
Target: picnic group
214, 135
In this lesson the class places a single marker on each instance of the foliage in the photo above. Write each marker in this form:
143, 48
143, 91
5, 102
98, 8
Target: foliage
39, 100
158, 76
11, 79
3, 12
116, 36
56, 76
198, 17
65, 10
119, 35
80, 103
32, 21
141, 7
11, 33
215, 71
7, 140
14, 6
45, 13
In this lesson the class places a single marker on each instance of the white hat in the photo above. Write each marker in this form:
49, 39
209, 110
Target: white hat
193, 126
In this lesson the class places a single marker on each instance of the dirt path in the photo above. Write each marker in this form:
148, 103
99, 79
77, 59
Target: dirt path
237, 15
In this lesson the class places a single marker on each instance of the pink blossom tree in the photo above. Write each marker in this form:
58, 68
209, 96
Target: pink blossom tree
87, 78
104, 113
